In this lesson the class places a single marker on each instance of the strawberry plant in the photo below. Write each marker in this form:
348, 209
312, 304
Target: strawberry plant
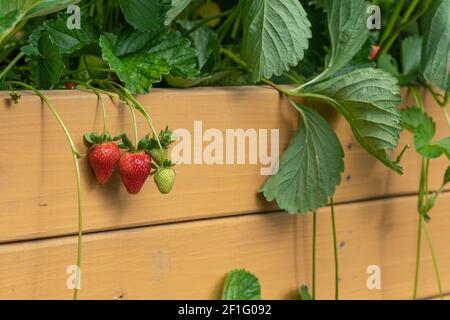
417, 53
241, 285
318, 52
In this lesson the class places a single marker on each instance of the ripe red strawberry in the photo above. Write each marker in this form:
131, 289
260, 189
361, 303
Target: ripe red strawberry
103, 154
134, 169
375, 50
71, 85
103, 159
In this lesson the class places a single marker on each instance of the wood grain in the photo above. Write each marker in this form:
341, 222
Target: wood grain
189, 260
37, 179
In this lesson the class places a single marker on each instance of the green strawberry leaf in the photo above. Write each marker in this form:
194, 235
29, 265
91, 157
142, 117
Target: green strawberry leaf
73, 41
276, 34
46, 63
146, 15
304, 293
176, 50
13, 12
46, 7
310, 168
137, 70
241, 285
130, 40
176, 8
447, 176
205, 41
368, 98
389, 64
413, 117
424, 129
436, 44
348, 32
411, 52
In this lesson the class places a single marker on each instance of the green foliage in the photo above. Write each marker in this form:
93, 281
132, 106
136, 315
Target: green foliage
321, 46
368, 99
276, 34
447, 176
146, 15
137, 70
436, 56
424, 129
14, 12
241, 285
46, 63
348, 32
304, 293
310, 168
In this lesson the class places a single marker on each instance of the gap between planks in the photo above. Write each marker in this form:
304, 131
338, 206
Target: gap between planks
106, 231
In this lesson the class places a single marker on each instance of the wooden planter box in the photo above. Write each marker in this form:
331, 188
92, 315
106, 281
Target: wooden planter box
181, 246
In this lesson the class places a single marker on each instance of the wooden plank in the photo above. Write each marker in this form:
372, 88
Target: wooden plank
38, 194
189, 260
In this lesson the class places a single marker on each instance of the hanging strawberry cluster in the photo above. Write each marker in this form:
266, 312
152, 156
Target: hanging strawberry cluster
136, 163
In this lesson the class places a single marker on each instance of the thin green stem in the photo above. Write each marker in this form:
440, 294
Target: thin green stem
237, 21
230, 54
335, 247
135, 128
433, 256
76, 156
437, 96
242, 63
80, 228
279, 88
11, 65
410, 11
392, 21
128, 96
314, 256
100, 99
419, 242
417, 98
422, 202
224, 28
207, 19
52, 109
390, 42
446, 116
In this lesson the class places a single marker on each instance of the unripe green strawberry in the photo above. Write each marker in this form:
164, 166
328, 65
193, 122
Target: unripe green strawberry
158, 155
165, 179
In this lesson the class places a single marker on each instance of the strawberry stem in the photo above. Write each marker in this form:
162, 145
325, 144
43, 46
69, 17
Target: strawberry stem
131, 99
76, 156
133, 114
314, 256
80, 229
335, 247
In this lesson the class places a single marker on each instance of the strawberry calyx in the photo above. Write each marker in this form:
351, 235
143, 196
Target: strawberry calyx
94, 138
167, 164
166, 138
158, 151
128, 145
